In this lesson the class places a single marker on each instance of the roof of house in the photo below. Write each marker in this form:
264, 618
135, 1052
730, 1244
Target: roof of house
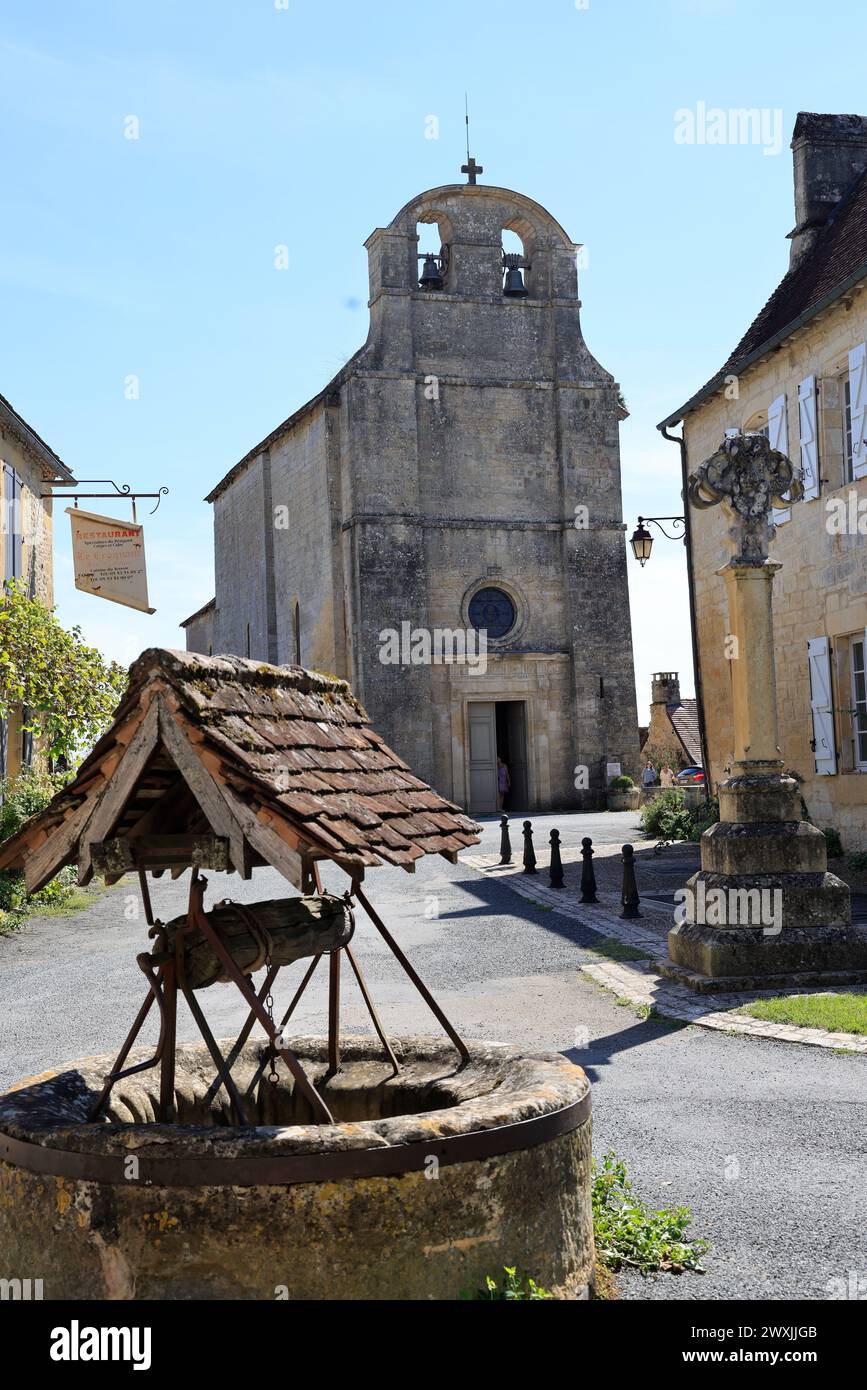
199, 613
321, 398
54, 468
279, 762
684, 720
835, 263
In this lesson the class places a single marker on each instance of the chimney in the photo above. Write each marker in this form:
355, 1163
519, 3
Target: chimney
665, 688
830, 153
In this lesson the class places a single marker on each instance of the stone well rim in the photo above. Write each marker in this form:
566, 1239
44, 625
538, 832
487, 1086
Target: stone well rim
550, 1096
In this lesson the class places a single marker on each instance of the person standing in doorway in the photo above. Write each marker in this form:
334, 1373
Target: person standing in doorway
504, 782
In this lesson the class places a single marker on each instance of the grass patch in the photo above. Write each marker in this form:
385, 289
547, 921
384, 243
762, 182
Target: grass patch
838, 1013
641, 1011
630, 1233
613, 949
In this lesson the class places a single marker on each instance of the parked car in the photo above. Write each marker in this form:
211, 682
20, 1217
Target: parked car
689, 777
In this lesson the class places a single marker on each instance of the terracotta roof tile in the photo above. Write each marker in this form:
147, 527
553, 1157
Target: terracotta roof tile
288, 742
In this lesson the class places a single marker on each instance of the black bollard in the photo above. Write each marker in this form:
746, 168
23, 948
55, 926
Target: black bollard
629, 894
529, 852
588, 875
505, 842
555, 871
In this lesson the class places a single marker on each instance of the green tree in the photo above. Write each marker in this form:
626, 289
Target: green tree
68, 690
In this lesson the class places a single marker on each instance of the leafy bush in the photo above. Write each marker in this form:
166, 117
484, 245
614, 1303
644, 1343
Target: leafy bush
629, 1233
69, 691
666, 816
833, 842
621, 783
857, 860
703, 818
29, 794
514, 1287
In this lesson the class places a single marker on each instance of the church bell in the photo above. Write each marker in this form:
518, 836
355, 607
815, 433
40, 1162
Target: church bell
431, 275
514, 285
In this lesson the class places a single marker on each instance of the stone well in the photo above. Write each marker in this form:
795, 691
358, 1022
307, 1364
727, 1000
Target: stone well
427, 1182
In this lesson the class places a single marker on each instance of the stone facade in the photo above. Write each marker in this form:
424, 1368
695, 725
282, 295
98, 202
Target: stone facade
665, 743
795, 388
448, 457
28, 468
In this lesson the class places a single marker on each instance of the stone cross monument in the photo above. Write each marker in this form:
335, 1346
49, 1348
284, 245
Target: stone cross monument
763, 911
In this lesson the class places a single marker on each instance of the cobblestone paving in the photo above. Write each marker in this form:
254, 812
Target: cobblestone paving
659, 871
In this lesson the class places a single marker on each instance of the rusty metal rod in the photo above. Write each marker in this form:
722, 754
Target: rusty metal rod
411, 972
116, 1072
295, 1067
224, 1074
371, 1008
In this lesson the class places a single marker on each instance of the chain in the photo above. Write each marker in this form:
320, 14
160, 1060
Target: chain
273, 1075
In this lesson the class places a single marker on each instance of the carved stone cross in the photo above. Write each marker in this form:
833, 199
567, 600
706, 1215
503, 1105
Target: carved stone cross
471, 169
752, 478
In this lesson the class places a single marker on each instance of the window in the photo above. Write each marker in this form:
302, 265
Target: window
296, 632
515, 265
12, 523
433, 255
859, 703
493, 612
848, 463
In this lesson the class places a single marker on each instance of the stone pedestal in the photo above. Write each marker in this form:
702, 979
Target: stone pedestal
763, 912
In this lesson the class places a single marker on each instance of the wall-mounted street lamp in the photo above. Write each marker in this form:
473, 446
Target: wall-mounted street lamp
642, 540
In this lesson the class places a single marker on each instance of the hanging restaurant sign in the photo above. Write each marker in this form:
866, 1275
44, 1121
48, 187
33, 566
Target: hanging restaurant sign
109, 558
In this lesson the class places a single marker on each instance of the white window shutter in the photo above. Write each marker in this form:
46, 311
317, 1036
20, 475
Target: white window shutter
820, 702
7, 479
858, 398
809, 432
778, 438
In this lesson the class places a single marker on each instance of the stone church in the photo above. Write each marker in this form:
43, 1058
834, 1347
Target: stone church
442, 524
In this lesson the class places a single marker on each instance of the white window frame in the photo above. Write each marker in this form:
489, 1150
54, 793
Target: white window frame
858, 667
848, 460
858, 409
778, 438
13, 539
808, 434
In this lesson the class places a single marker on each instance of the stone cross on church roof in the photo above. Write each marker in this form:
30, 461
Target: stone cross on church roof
471, 168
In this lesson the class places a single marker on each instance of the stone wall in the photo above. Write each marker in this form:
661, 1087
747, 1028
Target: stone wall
37, 556
821, 589
451, 454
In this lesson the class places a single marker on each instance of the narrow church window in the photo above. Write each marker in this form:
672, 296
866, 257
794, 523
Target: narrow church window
493, 612
433, 256
296, 631
248, 639
515, 265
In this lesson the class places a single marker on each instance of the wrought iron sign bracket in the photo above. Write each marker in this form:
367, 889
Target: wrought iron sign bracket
123, 492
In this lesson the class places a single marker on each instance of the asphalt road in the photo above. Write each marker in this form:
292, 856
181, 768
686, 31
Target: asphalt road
766, 1142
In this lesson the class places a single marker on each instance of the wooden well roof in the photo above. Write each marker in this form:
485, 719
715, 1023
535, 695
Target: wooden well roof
280, 764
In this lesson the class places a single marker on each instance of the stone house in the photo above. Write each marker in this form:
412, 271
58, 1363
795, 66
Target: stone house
28, 469
673, 732
799, 375
442, 524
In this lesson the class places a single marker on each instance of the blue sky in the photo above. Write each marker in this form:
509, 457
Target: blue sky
305, 126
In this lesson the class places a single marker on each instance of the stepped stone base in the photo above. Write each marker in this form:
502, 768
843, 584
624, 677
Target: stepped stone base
763, 912
710, 959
